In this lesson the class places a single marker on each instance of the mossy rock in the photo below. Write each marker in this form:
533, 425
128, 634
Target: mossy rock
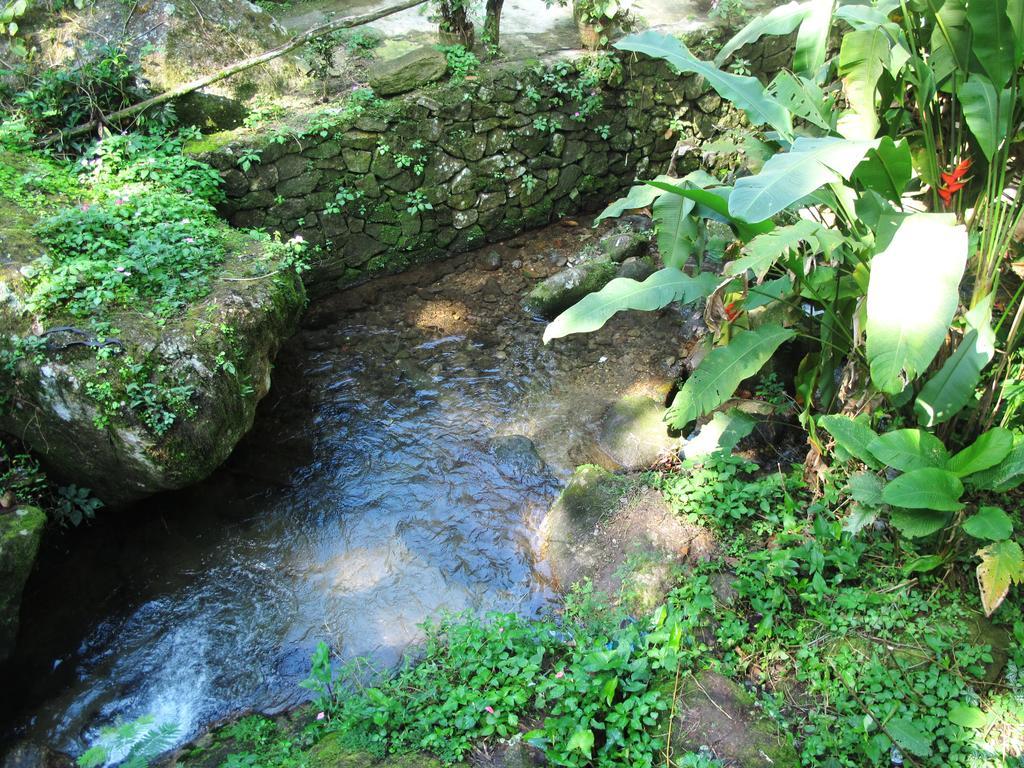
72, 407
563, 289
714, 712
620, 535
330, 752
407, 72
21, 530
634, 433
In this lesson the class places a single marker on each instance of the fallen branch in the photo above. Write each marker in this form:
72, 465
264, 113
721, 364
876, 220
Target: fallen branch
232, 69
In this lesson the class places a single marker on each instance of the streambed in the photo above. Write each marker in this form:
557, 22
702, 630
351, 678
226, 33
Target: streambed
375, 491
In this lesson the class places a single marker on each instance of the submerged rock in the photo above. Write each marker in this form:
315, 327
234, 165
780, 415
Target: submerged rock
563, 289
408, 72
517, 456
634, 433
20, 533
715, 713
621, 536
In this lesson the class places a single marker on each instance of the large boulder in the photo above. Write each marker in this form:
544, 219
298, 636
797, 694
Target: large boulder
156, 402
634, 433
409, 72
620, 535
20, 533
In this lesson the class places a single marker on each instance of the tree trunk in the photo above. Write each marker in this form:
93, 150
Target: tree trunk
232, 69
492, 26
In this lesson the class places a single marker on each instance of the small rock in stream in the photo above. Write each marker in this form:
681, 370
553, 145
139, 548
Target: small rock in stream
517, 456
490, 261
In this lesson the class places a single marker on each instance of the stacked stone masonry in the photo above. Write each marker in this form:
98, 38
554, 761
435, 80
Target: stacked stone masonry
492, 157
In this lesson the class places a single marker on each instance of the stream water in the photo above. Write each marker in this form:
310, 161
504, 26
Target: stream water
370, 495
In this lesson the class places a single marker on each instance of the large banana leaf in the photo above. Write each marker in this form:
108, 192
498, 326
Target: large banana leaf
887, 170
1015, 10
952, 387
994, 42
744, 92
863, 57
803, 98
722, 370
951, 40
761, 253
677, 232
778, 21
791, 176
987, 112
658, 290
639, 196
812, 39
716, 201
912, 295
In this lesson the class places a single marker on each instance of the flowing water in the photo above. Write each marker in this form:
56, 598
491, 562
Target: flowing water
370, 496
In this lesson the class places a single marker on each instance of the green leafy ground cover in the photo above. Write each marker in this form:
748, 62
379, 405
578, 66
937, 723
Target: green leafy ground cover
852, 655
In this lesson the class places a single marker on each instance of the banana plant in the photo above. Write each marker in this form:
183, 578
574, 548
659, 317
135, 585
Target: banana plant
829, 245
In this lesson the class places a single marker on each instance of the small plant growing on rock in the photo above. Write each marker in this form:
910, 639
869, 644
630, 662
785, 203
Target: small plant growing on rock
461, 61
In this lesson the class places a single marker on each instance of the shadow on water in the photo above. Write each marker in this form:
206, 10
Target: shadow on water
367, 498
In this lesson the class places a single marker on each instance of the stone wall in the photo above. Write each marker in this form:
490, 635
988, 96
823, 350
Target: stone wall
492, 157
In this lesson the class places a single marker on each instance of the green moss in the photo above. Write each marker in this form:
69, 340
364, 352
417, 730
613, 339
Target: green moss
211, 142
330, 752
21, 531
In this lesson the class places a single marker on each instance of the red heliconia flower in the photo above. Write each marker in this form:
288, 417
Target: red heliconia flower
731, 311
953, 181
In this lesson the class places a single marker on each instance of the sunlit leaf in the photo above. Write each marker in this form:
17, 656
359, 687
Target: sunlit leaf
778, 21
968, 717
863, 56
744, 92
912, 296
907, 449
948, 391
1004, 476
987, 451
989, 523
929, 488
720, 435
1002, 564
639, 196
789, 177
622, 293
